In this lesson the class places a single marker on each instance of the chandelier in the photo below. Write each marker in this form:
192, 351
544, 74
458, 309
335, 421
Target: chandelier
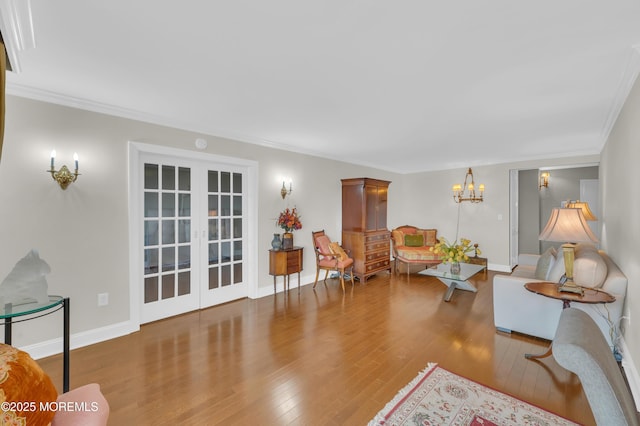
459, 194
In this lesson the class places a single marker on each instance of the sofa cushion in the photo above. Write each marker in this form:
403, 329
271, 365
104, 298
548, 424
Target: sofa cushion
589, 268
24, 383
430, 237
545, 263
557, 270
418, 254
323, 244
338, 251
415, 240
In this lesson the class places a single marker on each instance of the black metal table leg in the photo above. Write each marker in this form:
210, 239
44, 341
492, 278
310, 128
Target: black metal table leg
65, 345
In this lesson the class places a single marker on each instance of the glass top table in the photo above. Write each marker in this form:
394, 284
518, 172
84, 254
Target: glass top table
459, 281
11, 310
34, 309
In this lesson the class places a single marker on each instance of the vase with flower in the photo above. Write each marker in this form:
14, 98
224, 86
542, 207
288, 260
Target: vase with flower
454, 253
289, 220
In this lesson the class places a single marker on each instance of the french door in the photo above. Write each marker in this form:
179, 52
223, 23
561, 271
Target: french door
194, 225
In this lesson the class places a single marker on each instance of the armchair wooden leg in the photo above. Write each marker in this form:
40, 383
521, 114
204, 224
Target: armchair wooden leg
342, 279
317, 273
326, 274
351, 274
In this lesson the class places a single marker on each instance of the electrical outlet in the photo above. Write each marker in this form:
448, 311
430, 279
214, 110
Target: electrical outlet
103, 299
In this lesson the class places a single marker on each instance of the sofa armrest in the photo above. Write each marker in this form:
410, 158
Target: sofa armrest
579, 347
528, 259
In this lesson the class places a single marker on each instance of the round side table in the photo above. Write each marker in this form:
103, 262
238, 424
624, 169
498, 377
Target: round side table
549, 289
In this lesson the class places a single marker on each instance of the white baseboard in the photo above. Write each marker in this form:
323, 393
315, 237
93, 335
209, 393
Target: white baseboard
631, 372
499, 268
265, 291
78, 340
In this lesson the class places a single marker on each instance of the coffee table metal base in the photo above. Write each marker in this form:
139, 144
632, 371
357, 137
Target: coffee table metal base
453, 285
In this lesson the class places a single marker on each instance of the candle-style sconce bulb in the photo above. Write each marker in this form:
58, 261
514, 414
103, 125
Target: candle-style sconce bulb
64, 177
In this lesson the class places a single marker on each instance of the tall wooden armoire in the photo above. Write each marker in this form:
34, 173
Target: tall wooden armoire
364, 225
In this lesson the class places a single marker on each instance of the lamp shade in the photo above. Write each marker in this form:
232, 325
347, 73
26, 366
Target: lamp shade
567, 225
584, 206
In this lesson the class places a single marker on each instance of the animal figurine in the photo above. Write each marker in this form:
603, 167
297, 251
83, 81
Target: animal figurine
26, 283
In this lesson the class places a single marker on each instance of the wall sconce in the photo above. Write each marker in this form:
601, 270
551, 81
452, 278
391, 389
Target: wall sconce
544, 180
63, 176
459, 194
284, 192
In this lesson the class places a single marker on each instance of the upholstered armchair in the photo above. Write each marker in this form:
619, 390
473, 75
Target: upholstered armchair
330, 256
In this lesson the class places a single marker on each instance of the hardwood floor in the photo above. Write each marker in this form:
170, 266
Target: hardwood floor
316, 357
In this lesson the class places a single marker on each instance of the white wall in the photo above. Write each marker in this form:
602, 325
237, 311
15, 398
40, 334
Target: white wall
620, 201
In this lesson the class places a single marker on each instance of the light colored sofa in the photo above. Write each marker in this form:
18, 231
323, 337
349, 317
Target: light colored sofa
517, 309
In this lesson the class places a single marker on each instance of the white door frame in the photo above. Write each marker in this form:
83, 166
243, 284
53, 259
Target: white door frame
136, 209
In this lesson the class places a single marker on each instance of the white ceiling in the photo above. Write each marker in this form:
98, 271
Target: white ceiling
404, 86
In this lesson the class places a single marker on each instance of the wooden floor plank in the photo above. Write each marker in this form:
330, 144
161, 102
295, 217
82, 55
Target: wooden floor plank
317, 357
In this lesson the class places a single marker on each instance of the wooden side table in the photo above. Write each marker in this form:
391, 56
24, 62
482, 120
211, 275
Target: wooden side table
284, 263
549, 289
475, 260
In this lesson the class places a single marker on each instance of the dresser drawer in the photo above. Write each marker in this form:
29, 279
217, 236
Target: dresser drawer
369, 238
379, 265
382, 254
378, 245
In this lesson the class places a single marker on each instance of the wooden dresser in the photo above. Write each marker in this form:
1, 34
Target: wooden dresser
364, 225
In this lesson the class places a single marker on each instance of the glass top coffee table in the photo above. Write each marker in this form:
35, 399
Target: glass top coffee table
460, 281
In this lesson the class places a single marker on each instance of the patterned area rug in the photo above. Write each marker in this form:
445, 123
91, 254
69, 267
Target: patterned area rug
439, 397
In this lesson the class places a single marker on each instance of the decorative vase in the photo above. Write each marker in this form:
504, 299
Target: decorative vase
455, 268
276, 243
287, 241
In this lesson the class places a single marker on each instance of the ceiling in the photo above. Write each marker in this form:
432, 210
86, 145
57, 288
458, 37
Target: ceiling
404, 86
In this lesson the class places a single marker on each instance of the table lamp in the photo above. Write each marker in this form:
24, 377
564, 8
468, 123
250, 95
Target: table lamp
568, 226
584, 206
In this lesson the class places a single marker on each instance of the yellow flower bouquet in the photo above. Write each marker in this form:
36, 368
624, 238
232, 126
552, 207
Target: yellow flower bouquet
454, 252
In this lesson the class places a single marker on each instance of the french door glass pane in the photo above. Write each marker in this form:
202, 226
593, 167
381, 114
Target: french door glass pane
150, 204
225, 208
150, 176
168, 286
150, 261
150, 232
213, 253
150, 289
184, 283
237, 183
168, 177
168, 204
212, 181
184, 231
168, 232
225, 275
225, 182
184, 179
184, 205
213, 278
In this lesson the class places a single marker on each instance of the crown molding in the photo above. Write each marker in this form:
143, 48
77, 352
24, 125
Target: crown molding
16, 26
631, 71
